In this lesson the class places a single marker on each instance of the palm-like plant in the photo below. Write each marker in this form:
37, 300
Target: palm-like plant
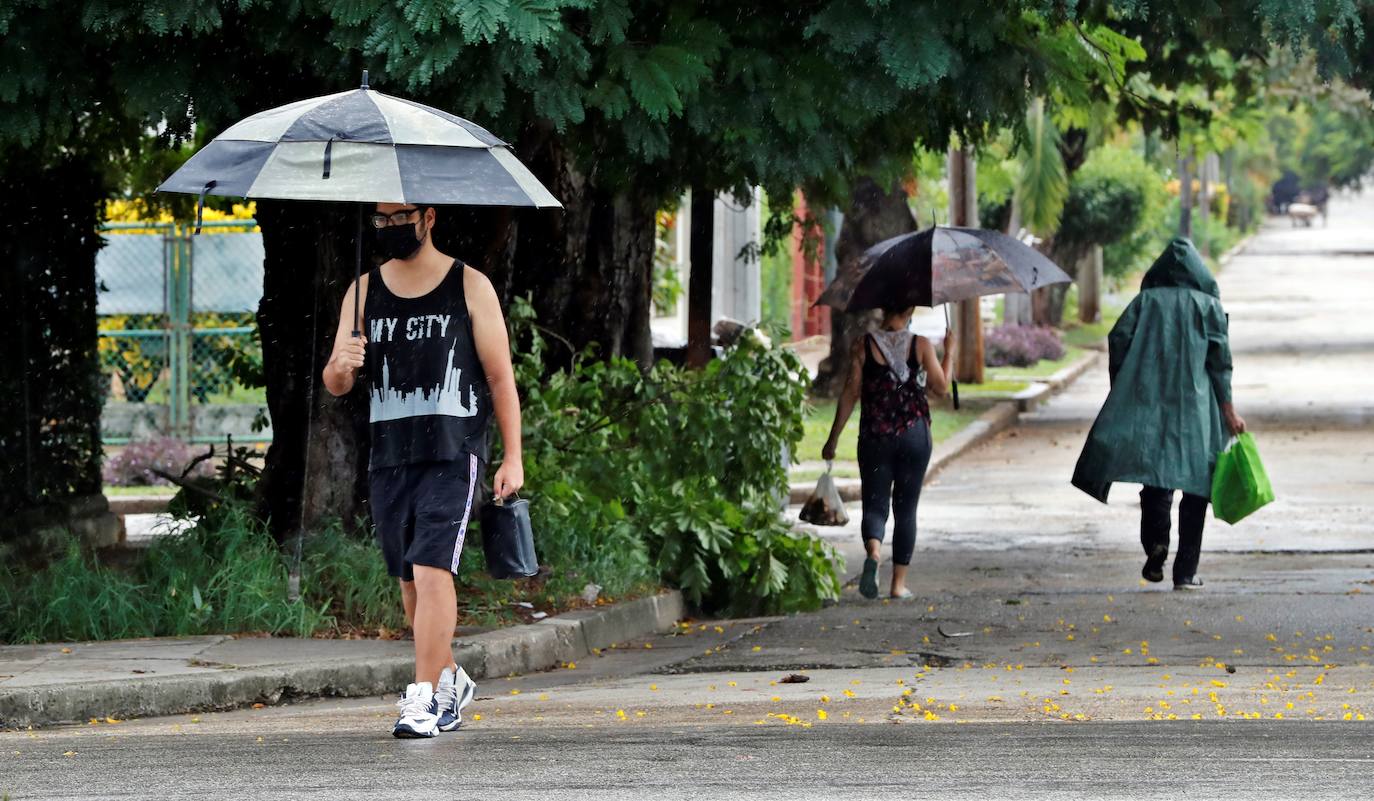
1042, 182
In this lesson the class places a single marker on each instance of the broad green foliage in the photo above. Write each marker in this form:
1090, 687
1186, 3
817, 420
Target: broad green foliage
684, 470
719, 94
1109, 197
1325, 140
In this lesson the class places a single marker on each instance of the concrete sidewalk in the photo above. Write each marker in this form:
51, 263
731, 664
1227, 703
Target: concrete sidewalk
63, 682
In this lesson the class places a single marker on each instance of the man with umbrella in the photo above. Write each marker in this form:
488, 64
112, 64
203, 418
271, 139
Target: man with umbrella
1169, 411
436, 349
439, 365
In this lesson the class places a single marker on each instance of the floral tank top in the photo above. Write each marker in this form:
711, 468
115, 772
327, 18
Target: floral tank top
888, 406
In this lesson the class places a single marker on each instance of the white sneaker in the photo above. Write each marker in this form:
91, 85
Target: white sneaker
456, 690
418, 718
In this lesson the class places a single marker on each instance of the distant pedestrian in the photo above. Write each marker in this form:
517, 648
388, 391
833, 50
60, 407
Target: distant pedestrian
891, 370
438, 366
1169, 411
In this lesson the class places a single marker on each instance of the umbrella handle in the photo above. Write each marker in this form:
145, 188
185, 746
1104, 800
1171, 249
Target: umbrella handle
358, 263
200, 202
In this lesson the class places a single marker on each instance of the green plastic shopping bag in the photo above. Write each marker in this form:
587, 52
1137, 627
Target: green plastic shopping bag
1239, 484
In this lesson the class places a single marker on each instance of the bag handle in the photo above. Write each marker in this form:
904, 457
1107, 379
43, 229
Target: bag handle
501, 501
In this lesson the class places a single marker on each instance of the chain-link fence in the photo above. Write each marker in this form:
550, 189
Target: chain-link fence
179, 349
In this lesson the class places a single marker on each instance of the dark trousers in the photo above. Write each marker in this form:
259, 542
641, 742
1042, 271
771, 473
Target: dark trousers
892, 470
1155, 505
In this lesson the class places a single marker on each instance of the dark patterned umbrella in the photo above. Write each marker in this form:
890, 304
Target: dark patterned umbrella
940, 265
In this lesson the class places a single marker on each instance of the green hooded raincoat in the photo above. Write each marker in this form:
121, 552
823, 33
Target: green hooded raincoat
1170, 368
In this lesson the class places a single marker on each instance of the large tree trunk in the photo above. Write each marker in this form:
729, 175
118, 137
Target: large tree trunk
308, 266
875, 213
1047, 303
588, 268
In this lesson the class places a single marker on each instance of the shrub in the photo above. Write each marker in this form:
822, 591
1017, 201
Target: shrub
1119, 201
672, 473
136, 463
1021, 345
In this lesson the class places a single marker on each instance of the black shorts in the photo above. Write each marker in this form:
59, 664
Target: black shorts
421, 512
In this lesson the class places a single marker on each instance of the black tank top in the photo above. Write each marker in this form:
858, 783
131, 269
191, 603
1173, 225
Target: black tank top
428, 396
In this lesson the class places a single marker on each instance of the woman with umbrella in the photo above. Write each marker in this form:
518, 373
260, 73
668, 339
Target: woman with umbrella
892, 370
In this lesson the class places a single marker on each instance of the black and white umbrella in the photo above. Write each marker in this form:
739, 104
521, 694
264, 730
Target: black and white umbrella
360, 146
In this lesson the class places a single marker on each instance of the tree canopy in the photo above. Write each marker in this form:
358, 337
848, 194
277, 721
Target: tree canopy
715, 94
619, 105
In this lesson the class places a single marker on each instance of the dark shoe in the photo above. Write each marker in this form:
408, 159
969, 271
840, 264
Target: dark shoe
1154, 566
1189, 583
868, 582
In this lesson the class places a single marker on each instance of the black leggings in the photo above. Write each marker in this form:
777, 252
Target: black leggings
1155, 505
893, 470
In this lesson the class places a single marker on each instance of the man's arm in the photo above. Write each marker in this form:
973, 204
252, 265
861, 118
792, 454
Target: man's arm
342, 368
493, 349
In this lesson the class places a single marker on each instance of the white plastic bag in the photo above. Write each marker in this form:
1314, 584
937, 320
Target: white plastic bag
825, 507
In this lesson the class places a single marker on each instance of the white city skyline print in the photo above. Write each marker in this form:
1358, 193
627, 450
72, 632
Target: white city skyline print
446, 398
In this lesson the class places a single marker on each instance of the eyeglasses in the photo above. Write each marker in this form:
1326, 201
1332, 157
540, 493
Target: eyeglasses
394, 218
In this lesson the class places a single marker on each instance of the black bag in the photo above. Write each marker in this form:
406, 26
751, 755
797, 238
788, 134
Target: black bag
508, 539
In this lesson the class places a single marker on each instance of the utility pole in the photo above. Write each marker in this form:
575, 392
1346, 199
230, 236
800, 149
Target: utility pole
1204, 200
1185, 196
1090, 286
1016, 306
700, 247
968, 318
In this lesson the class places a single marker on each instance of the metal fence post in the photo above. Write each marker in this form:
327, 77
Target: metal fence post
179, 322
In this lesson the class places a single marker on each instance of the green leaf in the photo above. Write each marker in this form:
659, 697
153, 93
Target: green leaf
481, 20
1043, 184
610, 20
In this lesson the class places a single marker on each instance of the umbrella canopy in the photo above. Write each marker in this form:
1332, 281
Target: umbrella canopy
361, 146
941, 265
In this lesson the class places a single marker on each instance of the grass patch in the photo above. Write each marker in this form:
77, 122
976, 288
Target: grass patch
1041, 369
995, 389
227, 576
117, 492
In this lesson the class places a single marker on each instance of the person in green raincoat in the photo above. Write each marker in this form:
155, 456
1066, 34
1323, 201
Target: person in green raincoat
1169, 411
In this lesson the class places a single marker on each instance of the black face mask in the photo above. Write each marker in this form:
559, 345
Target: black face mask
397, 242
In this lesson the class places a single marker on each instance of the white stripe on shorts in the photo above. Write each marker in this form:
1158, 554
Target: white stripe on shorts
467, 512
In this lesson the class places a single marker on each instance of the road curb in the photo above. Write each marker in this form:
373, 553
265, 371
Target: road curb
504, 652
988, 425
